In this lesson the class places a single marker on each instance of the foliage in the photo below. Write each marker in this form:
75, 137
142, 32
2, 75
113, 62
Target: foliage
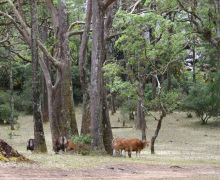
204, 99
169, 99
5, 110
82, 139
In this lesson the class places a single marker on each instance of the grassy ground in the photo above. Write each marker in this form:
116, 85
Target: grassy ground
181, 141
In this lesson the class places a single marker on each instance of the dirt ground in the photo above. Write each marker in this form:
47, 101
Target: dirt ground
113, 171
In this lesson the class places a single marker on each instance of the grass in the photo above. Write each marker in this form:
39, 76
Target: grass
181, 141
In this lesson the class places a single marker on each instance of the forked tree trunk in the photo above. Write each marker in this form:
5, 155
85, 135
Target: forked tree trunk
40, 143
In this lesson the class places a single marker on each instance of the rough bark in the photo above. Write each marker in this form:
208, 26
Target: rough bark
154, 137
83, 75
44, 102
96, 108
67, 110
40, 143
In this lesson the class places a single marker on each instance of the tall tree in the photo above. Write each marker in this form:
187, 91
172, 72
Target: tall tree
98, 108
60, 99
40, 143
83, 69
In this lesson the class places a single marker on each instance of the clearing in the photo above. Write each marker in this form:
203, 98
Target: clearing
184, 149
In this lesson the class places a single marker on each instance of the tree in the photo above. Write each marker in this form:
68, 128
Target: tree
60, 99
100, 124
40, 143
83, 69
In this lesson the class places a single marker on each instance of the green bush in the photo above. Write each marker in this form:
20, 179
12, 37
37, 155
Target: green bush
204, 99
82, 139
5, 110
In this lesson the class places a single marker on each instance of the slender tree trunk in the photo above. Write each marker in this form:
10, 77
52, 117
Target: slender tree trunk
40, 143
113, 106
86, 119
11, 96
141, 122
154, 137
44, 101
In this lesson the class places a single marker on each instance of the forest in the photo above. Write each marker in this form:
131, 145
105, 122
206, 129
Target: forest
85, 83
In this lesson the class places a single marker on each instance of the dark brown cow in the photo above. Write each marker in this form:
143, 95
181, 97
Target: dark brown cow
30, 144
60, 144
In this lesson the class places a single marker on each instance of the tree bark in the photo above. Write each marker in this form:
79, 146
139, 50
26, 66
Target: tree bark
83, 75
11, 96
96, 101
67, 108
44, 102
40, 143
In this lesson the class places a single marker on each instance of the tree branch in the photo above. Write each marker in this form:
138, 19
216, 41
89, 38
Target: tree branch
134, 6
74, 24
4, 40
107, 3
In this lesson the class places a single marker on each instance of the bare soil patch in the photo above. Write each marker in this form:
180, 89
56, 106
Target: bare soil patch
113, 171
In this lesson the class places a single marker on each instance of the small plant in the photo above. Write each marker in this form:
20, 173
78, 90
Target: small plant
82, 143
82, 139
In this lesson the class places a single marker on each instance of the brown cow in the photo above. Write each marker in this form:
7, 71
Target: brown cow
120, 144
134, 145
70, 146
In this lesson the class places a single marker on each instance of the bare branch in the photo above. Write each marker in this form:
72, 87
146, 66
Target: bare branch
25, 31
20, 56
134, 6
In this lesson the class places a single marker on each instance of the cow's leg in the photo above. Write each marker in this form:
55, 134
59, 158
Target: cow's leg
129, 154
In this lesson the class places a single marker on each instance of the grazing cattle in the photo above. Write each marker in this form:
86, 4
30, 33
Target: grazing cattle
60, 144
118, 146
128, 145
135, 145
30, 144
70, 146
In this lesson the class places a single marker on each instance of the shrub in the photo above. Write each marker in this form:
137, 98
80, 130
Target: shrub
82, 139
204, 99
83, 144
5, 110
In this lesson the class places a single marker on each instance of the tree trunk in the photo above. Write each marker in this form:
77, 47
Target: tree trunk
96, 101
154, 137
67, 109
86, 119
141, 123
107, 131
44, 101
113, 107
83, 75
40, 143
11, 96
